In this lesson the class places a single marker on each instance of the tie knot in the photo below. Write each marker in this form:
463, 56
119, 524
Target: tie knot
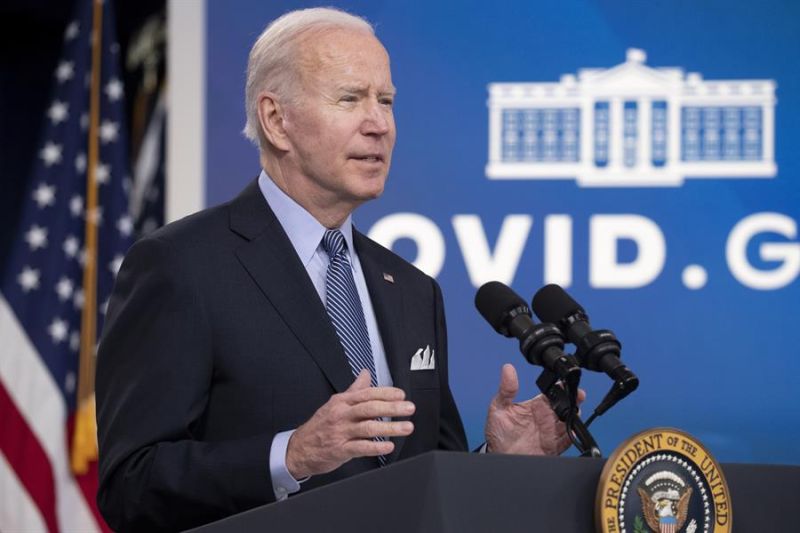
333, 242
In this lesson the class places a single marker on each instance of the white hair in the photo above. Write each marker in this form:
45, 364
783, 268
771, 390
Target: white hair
272, 65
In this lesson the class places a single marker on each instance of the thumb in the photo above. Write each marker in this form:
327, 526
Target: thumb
362, 381
509, 386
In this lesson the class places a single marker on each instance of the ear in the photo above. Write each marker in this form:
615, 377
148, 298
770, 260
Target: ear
271, 117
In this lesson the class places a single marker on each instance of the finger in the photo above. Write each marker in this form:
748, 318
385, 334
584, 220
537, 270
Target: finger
368, 448
368, 429
363, 381
387, 394
509, 386
379, 408
581, 395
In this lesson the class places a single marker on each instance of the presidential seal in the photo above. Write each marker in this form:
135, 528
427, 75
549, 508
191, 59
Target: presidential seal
662, 481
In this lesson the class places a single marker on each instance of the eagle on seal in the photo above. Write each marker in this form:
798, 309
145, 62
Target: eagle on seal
665, 513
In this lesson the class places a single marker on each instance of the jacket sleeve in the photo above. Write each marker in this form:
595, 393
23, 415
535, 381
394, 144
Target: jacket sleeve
451, 429
154, 375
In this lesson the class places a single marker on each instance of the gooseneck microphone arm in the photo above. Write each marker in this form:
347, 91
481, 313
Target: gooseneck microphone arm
566, 409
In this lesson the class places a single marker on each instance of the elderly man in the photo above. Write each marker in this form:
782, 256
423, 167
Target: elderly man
266, 343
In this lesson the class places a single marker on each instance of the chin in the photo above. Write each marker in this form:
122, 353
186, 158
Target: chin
373, 188
365, 196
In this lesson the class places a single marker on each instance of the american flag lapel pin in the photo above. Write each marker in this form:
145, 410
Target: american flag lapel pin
388, 277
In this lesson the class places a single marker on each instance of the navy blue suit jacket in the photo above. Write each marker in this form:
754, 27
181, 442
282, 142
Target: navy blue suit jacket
216, 340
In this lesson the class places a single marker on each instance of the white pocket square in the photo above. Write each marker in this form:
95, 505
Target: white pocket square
424, 359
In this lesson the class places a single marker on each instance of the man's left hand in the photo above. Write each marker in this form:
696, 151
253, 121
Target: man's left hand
526, 428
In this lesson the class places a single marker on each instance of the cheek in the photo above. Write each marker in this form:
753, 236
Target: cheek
307, 127
316, 142
332, 136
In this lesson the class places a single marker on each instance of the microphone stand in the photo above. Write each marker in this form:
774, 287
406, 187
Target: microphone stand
619, 389
592, 348
563, 399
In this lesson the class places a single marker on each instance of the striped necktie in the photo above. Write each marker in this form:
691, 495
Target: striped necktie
344, 309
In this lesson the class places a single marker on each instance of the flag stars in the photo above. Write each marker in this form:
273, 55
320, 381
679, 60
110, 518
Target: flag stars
80, 163
75, 341
125, 226
44, 195
36, 237
72, 31
84, 121
78, 299
114, 89
58, 330
51, 154
102, 173
58, 112
76, 205
65, 71
71, 246
64, 288
83, 257
109, 131
115, 264
69, 379
28, 279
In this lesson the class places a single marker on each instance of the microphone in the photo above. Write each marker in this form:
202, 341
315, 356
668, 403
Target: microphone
598, 350
541, 344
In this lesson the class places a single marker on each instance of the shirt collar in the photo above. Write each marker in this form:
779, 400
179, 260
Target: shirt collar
304, 231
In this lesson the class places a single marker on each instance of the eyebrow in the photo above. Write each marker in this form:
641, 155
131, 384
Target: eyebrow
361, 90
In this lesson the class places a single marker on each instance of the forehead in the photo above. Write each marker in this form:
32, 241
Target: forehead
341, 55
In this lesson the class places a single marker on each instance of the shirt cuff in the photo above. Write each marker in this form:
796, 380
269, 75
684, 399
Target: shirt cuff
283, 483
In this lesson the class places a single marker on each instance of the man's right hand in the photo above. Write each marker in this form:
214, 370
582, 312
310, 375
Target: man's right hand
344, 428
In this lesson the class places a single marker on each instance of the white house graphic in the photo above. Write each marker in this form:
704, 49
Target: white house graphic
632, 125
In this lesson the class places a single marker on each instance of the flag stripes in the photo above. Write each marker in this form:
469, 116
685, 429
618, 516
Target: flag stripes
32, 466
18, 512
36, 398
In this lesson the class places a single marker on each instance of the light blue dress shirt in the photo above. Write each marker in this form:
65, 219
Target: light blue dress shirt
305, 233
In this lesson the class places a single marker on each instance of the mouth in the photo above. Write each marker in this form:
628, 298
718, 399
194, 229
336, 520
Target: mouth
368, 158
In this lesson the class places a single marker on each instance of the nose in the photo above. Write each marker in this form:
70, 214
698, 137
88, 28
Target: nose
378, 119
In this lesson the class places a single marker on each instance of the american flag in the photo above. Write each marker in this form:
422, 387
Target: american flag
74, 231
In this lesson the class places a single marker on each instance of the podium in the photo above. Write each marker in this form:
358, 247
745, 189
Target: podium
450, 492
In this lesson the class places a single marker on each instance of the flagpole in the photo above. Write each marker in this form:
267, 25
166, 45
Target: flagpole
84, 442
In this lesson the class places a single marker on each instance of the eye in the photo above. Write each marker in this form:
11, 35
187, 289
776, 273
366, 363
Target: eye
348, 98
388, 101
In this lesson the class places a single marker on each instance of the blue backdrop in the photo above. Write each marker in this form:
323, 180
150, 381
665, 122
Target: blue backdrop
720, 361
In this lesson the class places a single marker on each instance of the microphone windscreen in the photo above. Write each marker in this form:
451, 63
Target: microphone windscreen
551, 304
494, 300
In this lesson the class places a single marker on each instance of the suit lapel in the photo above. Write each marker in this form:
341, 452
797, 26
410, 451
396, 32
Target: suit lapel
272, 262
270, 259
387, 302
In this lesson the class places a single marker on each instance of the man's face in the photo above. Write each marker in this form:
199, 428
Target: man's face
341, 127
